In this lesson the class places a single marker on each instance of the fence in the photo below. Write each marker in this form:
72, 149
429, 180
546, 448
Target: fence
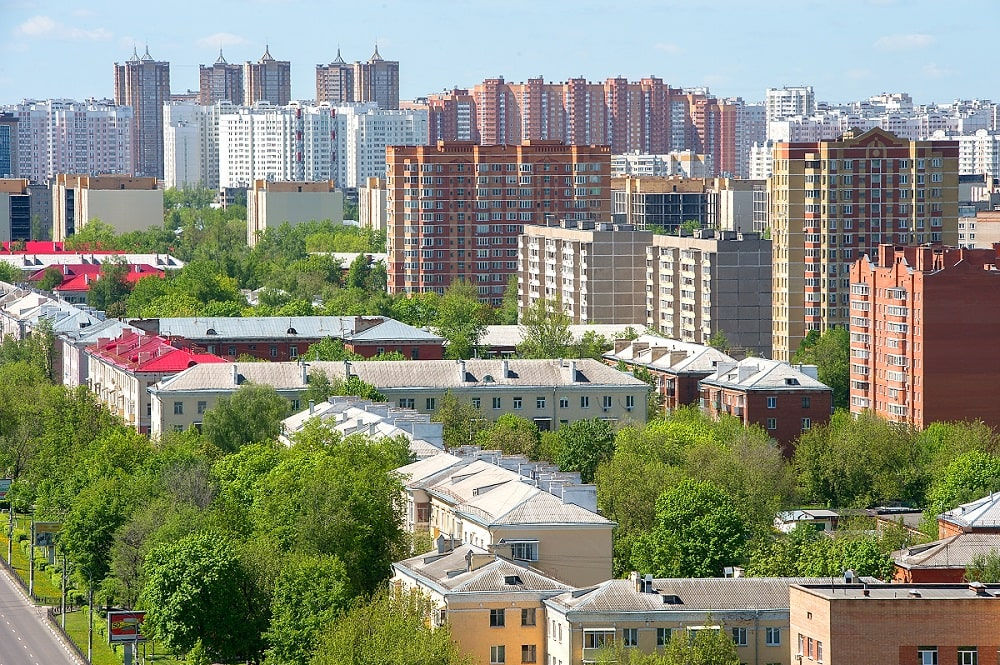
54, 617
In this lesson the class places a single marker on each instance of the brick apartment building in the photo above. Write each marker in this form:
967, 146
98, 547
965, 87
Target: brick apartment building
455, 210
832, 201
785, 400
923, 322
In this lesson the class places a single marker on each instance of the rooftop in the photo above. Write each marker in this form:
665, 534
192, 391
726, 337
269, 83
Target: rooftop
764, 374
907, 592
511, 336
956, 551
135, 352
470, 569
982, 513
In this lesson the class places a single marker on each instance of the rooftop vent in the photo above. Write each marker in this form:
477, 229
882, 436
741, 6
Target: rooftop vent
671, 599
512, 580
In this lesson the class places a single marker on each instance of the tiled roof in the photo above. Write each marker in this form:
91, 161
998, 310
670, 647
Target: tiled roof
981, 513
507, 336
702, 594
954, 552
450, 571
763, 374
663, 354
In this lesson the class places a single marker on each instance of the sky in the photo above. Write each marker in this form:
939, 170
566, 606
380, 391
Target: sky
845, 49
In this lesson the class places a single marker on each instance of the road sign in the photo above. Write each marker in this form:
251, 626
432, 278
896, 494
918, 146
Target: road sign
125, 626
45, 533
5, 487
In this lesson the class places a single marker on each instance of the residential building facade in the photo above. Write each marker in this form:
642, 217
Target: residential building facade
271, 204
362, 133
267, 80
921, 327
662, 204
191, 144
15, 209
144, 84
832, 201
712, 282
457, 209
221, 82
335, 82
123, 202
8, 145
596, 273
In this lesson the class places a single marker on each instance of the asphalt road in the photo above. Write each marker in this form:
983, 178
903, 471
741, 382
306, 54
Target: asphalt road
25, 636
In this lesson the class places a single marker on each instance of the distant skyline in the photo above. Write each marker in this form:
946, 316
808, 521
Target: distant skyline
846, 50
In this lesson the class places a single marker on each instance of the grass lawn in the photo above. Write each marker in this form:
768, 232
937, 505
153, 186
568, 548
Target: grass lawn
44, 587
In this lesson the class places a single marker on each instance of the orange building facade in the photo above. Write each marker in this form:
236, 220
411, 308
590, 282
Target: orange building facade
455, 210
923, 322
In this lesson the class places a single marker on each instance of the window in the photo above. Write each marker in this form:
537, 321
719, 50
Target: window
202, 406
528, 653
629, 402
526, 550
498, 654
772, 637
819, 651
517, 402
539, 402
584, 402
178, 408
662, 637
598, 639
231, 351
476, 403
564, 402
528, 616
496, 402
740, 637
431, 403
806, 424
630, 637
772, 402
772, 423
806, 402
406, 403
927, 656
606, 402
497, 618
293, 352
968, 656
274, 351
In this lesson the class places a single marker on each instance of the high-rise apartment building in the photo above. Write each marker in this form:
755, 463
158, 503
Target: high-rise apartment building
456, 209
275, 143
781, 103
362, 133
712, 282
923, 322
64, 136
335, 82
377, 81
8, 145
452, 116
597, 272
144, 84
832, 201
267, 80
191, 144
663, 204
222, 82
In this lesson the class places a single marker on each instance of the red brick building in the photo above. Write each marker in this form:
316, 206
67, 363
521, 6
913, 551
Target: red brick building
783, 399
455, 210
923, 334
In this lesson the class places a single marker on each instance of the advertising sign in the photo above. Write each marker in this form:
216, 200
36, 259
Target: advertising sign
4, 488
125, 626
45, 533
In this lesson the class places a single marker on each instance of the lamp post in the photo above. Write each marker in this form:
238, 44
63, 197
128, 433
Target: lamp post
90, 612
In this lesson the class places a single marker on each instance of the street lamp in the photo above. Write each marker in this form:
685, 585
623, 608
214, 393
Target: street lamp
90, 612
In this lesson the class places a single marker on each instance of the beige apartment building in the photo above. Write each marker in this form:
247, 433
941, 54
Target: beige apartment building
271, 204
124, 202
832, 201
710, 282
597, 272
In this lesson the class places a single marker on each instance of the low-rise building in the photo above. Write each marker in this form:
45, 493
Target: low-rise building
35, 255
77, 278
271, 204
15, 209
945, 560
123, 202
502, 340
649, 203
783, 399
979, 516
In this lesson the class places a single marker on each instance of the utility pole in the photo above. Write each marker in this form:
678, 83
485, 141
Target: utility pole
63, 614
10, 538
31, 561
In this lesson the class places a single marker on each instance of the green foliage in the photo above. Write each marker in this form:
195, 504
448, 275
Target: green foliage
51, 278
830, 352
392, 627
331, 349
461, 319
111, 289
512, 435
806, 552
690, 225
984, 567
697, 531
461, 421
699, 647
187, 197
969, 476
719, 340
507, 314
545, 331
252, 414
95, 234
584, 445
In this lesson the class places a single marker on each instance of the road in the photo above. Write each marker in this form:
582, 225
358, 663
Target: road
25, 636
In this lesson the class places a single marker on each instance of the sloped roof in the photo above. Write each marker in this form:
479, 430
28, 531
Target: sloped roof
417, 471
450, 572
763, 374
506, 336
661, 353
391, 330
694, 594
955, 551
258, 327
147, 353
982, 513
81, 282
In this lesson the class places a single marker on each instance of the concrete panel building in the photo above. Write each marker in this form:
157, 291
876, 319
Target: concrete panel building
922, 333
362, 133
373, 205
832, 201
15, 209
191, 144
597, 273
8, 145
712, 282
649, 203
271, 204
123, 202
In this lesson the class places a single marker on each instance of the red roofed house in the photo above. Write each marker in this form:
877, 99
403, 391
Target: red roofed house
120, 371
77, 278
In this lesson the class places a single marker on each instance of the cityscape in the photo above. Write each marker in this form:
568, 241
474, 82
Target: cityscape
535, 334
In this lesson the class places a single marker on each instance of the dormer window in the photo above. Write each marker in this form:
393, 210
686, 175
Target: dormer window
211, 331
791, 382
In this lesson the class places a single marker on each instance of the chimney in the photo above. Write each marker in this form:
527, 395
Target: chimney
312, 407
572, 371
304, 370
461, 371
236, 375
636, 581
622, 344
347, 369
505, 369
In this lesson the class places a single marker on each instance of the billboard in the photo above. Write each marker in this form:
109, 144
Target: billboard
4, 487
45, 533
125, 626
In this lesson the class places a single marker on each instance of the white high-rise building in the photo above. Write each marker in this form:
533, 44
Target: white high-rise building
66, 136
362, 133
789, 101
978, 153
275, 143
191, 144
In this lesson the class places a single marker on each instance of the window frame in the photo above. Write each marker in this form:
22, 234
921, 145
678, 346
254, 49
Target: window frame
498, 618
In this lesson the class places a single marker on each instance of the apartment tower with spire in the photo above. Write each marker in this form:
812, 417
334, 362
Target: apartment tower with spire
144, 84
221, 82
267, 80
374, 81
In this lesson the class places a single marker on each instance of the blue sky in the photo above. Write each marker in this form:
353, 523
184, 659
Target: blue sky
846, 49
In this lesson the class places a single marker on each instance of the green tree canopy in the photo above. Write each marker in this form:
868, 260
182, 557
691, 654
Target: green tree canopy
830, 352
545, 331
461, 319
512, 435
461, 421
585, 444
253, 414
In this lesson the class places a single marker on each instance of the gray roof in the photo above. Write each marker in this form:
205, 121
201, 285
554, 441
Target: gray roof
663, 354
392, 330
901, 592
692, 594
763, 374
449, 572
981, 513
953, 552
305, 327
504, 336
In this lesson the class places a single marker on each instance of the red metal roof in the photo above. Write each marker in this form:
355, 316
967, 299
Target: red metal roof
148, 353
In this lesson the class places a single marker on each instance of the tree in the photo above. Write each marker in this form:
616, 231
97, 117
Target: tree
253, 414
591, 345
507, 314
392, 627
698, 531
462, 421
199, 588
970, 476
111, 289
585, 444
512, 435
331, 349
705, 646
545, 331
95, 234
310, 592
461, 319
830, 352
719, 341
690, 225
984, 567
359, 272
51, 278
